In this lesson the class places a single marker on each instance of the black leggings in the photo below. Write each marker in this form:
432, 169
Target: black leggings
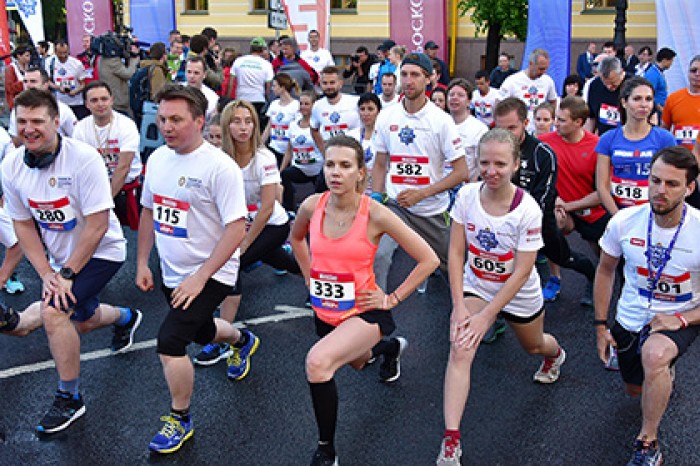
291, 175
267, 247
557, 249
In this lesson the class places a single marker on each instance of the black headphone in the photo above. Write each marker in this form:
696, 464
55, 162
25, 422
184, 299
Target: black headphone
40, 161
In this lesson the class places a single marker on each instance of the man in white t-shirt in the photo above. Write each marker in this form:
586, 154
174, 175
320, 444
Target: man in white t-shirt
388, 97
316, 56
253, 75
57, 194
195, 72
114, 135
484, 98
194, 210
532, 85
38, 78
658, 312
335, 113
67, 75
413, 140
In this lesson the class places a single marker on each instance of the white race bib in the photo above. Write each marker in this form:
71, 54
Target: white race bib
609, 114
629, 192
55, 215
170, 216
670, 288
686, 135
332, 291
490, 266
409, 170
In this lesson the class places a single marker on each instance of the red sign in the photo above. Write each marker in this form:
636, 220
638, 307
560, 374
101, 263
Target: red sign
413, 23
87, 17
4, 33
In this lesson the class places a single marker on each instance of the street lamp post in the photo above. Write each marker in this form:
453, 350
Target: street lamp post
620, 21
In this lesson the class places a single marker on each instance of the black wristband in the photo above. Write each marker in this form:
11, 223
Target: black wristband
597, 322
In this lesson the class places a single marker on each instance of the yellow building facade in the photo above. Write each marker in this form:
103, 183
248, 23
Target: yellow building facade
366, 22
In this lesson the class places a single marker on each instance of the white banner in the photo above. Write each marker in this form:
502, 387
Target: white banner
31, 14
306, 15
676, 28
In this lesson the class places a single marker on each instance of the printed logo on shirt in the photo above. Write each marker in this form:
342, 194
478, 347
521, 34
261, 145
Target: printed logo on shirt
335, 117
487, 239
193, 183
181, 181
637, 242
301, 139
471, 227
407, 135
394, 128
658, 253
279, 116
61, 182
52, 182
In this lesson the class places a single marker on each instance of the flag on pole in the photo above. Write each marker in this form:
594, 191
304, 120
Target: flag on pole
31, 13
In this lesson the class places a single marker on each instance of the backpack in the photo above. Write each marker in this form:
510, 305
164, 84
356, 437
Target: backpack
140, 89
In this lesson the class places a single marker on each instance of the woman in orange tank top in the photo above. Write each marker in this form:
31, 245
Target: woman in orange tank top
352, 312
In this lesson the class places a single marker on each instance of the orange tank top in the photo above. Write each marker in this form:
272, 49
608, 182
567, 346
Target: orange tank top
340, 266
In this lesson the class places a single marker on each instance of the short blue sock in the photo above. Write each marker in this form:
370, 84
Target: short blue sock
124, 316
70, 386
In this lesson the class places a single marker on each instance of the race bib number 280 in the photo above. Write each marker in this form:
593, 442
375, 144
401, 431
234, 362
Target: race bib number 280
170, 216
55, 215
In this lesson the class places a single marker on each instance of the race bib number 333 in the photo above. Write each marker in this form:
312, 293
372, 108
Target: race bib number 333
332, 291
170, 216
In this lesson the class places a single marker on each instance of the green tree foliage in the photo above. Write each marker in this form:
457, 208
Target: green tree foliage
496, 19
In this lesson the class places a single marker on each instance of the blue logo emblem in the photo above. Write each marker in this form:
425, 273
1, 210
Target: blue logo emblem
280, 116
317, 58
487, 239
368, 155
62, 72
406, 135
300, 139
335, 117
28, 7
658, 255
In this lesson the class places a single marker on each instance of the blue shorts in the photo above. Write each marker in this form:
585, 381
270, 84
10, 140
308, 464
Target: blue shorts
87, 285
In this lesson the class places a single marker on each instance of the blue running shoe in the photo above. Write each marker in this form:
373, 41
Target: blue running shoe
551, 290
646, 454
13, 285
172, 435
239, 361
213, 353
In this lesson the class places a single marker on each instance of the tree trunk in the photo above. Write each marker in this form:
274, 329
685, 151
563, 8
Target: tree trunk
493, 45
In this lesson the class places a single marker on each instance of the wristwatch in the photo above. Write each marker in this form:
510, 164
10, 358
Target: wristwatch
67, 273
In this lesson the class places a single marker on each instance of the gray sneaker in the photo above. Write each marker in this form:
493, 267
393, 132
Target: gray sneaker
449, 454
549, 370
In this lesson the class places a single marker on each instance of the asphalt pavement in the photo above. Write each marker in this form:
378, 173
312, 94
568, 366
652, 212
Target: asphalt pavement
266, 419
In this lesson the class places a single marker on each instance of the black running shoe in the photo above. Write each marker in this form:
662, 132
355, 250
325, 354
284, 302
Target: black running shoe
321, 458
66, 408
124, 335
390, 369
9, 318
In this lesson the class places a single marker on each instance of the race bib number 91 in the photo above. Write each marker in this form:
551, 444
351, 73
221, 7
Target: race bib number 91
170, 216
332, 291
55, 215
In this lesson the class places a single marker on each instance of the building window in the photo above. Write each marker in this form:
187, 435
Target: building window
598, 4
196, 5
260, 5
344, 5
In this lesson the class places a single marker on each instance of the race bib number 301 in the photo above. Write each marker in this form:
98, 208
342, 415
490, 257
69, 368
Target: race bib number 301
332, 291
670, 288
170, 216
55, 215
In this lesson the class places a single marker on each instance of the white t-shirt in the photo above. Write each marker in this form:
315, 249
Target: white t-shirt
193, 197
66, 75
281, 116
305, 155
678, 289
8, 238
319, 59
471, 130
418, 145
531, 91
212, 100
66, 121
359, 135
390, 103
262, 171
484, 105
6, 145
340, 118
111, 140
251, 72
492, 243
60, 196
